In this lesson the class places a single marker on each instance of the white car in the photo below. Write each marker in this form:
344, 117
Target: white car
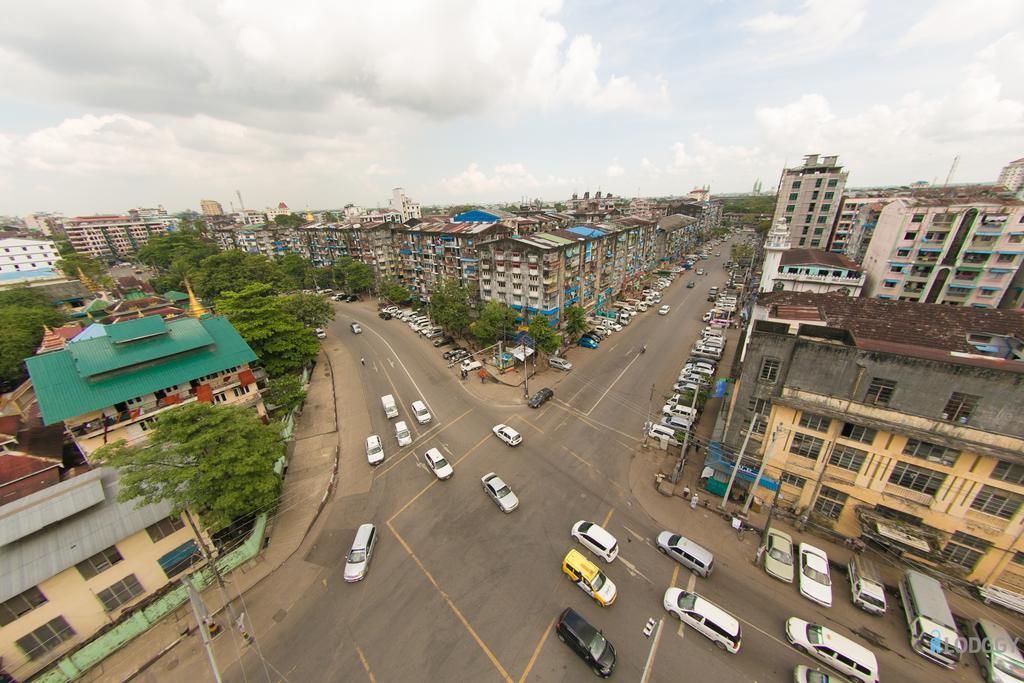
611, 325
402, 433
374, 450
419, 410
500, 492
705, 617
559, 363
596, 539
507, 434
441, 468
697, 370
320, 334
664, 310
815, 583
778, 555
680, 410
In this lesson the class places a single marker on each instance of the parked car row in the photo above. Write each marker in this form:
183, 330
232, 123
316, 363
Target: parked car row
623, 312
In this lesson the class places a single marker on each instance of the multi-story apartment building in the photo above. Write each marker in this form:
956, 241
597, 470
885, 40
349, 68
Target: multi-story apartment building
806, 270
112, 381
959, 246
707, 213
113, 237
858, 215
23, 257
211, 207
281, 210
45, 222
808, 198
401, 203
430, 252
892, 421
1012, 176
73, 559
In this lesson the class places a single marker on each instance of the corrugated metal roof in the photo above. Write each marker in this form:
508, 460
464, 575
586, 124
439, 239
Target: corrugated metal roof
101, 355
140, 328
38, 556
63, 391
27, 515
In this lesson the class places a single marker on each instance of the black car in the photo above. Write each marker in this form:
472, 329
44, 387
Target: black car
451, 353
352, 297
588, 642
442, 341
538, 399
384, 315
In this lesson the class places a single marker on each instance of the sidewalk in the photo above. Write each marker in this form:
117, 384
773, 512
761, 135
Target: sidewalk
173, 645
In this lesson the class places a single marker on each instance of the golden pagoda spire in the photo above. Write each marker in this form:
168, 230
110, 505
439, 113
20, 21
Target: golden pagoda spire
87, 282
195, 309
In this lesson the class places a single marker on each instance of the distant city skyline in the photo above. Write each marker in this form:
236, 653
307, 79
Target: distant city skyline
103, 108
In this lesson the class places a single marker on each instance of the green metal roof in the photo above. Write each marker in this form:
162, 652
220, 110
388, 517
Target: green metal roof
132, 296
136, 328
67, 385
97, 305
175, 296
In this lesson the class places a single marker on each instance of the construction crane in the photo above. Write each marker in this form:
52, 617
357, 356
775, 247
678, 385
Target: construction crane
240, 202
952, 169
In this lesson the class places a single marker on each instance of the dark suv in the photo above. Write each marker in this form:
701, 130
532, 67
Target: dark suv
587, 641
538, 399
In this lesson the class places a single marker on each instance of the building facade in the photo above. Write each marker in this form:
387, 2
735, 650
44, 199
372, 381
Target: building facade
894, 422
962, 248
808, 198
1012, 176
112, 237
806, 270
23, 256
401, 203
211, 207
430, 252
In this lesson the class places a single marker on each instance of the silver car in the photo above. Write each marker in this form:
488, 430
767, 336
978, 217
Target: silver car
778, 555
500, 492
357, 562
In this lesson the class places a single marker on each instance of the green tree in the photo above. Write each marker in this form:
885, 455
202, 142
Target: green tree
22, 316
233, 270
285, 392
312, 310
575, 322
289, 221
330, 217
216, 461
544, 338
338, 271
358, 276
394, 292
70, 263
496, 320
281, 342
297, 270
185, 246
741, 253
449, 306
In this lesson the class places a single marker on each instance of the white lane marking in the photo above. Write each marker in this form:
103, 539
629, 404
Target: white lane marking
633, 570
611, 386
650, 655
612, 348
634, 534
407, 373
392, 362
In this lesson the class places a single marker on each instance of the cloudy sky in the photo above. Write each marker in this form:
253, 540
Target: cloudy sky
106, 105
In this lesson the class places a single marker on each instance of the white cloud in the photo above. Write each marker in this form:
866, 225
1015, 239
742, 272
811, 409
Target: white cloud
505, 180
954, 21
615, 170
819, 28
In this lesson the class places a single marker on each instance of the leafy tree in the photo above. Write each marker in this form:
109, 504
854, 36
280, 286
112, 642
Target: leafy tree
216, 461
70, 263
233, 270
545, 339
394, 291
741, 253
358, 276
281, 342
297, 270
312, 310
575, 321
449, 305
496, 321
285, 392
24, 297
185, 246
330, 217
289, 221
63, 247
338, 271
22, 322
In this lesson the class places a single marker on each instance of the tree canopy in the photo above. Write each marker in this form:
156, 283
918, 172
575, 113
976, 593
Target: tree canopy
281, 342
544, 338
297, 270
70, 263
496, 321
449, 305
358, 276
23, 313
312, 310
289, 220
216, 461
394, 291
182, 246
233, 270
575, 321
285, 392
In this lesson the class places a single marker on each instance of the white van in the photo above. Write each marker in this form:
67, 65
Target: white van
866, 589
420, 412
390, 407
833, 649
704, 351
930, 623
999, 658
662, 432
705, 617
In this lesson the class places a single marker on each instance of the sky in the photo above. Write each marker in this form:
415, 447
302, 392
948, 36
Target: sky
107, 105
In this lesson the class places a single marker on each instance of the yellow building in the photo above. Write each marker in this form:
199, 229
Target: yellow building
895, 422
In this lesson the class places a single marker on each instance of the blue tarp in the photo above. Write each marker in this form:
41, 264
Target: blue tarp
722, 462
475, 216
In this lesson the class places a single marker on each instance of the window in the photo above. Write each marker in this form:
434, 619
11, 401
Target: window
810, 207
818, 231
769, 370
1009, 472
241, 390
993, 501
931, 452
858, 433
814, 195
793, 480
847, 457
965, 550
22, 603
180, 559
796, 184
822, 219
918, 218
830, 502
916, 478
817, 183
100, 562
959, 407
790, 208
760, 407
909, 235
122, 592
830, 195
826, 207
164, 528
45, 638
833, 182
880, 392
806, 446
1018, 558
1006, 258
793, 196
903, 252
818, 423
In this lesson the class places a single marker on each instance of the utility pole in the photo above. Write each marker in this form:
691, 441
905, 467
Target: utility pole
677, 471
647, 425
739, 459
203, 622
212, 564
760, 471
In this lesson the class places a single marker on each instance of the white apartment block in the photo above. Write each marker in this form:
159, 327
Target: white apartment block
809, 198
855, 225
806, 270
402, 204
1012, 176
112, 237
25, 256
962, 248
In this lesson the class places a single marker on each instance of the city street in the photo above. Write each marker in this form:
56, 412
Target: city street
457, 590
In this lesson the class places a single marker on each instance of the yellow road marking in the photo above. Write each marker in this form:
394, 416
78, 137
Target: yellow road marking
536, 650
528, 423
412, 449
425, 488
581, 416
477, 445
607, 517
570, 452
451, 605
366, 665
675, 575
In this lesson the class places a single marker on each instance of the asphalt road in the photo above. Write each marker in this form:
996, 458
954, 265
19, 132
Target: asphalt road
459, 591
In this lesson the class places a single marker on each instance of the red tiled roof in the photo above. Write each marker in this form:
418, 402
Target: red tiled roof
13, 467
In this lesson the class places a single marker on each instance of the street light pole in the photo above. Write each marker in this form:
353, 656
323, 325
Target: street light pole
760, 471
677, 471
739, 460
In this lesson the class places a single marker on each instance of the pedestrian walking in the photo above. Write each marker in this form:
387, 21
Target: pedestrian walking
363, 361
686, 493
693, 502
758, 554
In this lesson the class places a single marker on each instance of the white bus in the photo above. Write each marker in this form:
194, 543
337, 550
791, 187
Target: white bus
929, 621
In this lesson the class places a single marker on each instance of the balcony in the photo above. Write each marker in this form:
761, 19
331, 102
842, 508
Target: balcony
909, 495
